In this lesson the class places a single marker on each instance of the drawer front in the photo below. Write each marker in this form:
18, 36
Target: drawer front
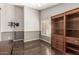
59, 37
61, 46
58, 42
54, 42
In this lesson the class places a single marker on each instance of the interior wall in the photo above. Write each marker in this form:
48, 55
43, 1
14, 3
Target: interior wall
31, 24
11, 13
19, 18
14, 13
7, 15
47, 13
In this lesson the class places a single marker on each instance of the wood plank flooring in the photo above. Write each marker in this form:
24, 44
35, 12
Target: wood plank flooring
37, 47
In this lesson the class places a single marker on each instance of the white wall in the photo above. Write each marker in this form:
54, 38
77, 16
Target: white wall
19, 18
2, 19
31, 24
31, 19
7, 15
47, 13
11, 13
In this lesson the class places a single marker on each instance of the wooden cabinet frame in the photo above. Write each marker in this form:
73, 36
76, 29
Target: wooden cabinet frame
66, 40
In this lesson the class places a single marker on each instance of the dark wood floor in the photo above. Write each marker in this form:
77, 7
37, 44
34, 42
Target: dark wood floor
37, 47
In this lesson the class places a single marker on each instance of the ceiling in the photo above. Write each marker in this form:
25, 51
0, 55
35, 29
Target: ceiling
41, 6
37, 6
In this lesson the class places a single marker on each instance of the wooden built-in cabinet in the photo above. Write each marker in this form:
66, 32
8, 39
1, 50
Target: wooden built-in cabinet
65, 32
58, 32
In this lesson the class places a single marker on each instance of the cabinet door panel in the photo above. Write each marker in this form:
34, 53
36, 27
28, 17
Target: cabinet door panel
58, 42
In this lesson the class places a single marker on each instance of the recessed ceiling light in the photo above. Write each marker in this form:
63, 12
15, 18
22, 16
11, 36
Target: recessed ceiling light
39, 5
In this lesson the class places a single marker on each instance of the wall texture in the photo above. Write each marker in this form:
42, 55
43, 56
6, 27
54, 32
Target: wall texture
19, 18
47, 13
17, 35
7, 15
31, 24
11, 13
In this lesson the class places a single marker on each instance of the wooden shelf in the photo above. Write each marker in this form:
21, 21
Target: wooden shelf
73, 41
72, 33
59, 22
70, 53
73, 29
73, 19
75, 50
72, 48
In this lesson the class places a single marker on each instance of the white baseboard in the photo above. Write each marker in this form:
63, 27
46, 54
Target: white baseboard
31, 40
18, 40
46, 41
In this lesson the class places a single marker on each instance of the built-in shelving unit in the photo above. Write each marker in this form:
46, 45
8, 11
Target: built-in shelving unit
58, 26
72, 32
72, 26
58, 32
65, 32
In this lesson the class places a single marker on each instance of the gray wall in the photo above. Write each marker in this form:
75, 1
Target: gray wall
47, 13
17, 35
